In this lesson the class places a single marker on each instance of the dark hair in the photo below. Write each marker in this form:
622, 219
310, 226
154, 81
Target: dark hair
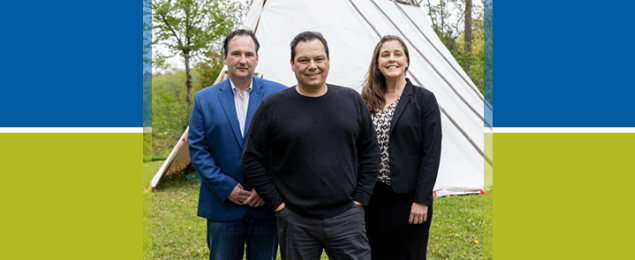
240, 32
305, 37
374, 86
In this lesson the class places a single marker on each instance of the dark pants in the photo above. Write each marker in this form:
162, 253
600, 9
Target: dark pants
226, 239
342, 236
389, 234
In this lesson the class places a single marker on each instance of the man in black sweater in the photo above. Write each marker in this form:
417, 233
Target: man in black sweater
318, 141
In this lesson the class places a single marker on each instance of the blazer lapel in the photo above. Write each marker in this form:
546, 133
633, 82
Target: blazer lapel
255, 97
403, 102
226, 98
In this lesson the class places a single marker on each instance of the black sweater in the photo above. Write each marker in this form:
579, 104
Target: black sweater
324, 152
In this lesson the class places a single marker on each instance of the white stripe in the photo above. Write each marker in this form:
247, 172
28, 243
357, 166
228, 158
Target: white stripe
563, 130
149, 130
71, 130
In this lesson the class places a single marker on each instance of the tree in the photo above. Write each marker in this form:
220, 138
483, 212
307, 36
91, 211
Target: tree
476, 57
459, 25
192, 28
208, 71
468, 33
441, 15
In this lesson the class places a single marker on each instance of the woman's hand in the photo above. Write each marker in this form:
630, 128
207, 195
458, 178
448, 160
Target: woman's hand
418, 213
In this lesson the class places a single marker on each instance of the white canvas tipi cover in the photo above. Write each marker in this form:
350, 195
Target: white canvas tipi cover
352, 28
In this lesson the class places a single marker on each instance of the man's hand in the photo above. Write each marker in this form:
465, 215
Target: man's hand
254, 200
418, 213
358, 203
281, 207
238, 194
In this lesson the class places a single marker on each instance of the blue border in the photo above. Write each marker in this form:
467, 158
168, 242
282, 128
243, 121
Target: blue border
564, 64
70, 64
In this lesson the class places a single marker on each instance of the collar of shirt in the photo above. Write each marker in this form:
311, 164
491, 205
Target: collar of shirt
237, 91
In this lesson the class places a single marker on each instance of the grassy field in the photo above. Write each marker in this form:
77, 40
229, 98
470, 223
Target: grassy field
173, 231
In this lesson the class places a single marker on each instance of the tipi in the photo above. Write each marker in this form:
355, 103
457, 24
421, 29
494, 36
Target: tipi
352, 28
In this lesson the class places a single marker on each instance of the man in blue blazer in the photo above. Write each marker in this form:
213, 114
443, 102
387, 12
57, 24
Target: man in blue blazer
218, 126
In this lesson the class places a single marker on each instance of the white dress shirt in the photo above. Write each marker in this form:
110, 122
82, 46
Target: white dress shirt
242, 104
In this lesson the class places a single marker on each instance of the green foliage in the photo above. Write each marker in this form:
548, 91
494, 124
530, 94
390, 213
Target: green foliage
169, 109
476, 58
440, 15
193, 28
159, 62
451, 34
208, 71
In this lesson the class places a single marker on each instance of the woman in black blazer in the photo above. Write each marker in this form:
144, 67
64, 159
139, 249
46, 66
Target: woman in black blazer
408, 126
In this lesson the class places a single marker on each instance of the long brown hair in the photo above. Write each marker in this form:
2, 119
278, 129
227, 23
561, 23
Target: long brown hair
374, 86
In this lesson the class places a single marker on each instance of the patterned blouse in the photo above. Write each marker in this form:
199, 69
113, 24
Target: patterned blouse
381, 122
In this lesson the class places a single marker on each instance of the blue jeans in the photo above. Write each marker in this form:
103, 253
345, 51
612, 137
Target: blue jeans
226, 239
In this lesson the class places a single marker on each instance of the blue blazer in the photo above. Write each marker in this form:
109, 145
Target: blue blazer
216, 146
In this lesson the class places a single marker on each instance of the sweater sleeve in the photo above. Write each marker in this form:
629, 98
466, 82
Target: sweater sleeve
367, 156
430, 151
256, 155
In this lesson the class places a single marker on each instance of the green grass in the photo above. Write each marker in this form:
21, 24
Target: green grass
177, 233
154, 158
458, 223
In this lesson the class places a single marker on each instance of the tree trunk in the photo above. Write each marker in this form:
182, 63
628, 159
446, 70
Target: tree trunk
468, 34
441, 8
188, 82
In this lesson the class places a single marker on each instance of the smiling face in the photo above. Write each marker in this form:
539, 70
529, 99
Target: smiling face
310, 64
392, 60
241, 57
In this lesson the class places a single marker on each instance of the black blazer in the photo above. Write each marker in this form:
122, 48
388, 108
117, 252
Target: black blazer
415, 143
